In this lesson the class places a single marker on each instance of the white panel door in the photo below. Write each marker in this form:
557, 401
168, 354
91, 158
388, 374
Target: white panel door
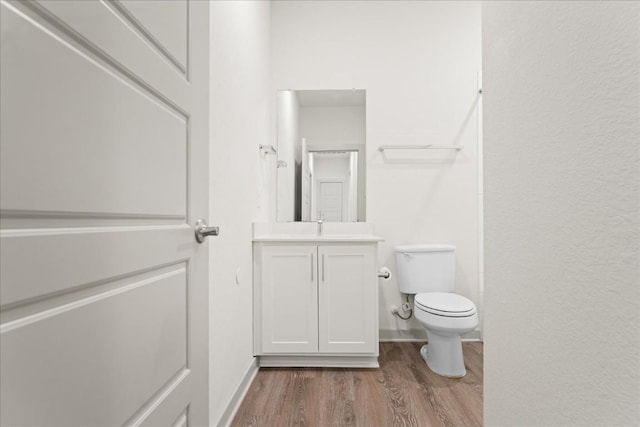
347, 292
104, 172
289, 289
330, 202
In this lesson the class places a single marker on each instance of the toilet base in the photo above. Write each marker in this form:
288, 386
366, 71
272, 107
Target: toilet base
443, 355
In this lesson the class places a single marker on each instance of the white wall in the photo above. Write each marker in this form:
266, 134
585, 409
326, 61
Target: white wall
418, 62
240, 102
562, 210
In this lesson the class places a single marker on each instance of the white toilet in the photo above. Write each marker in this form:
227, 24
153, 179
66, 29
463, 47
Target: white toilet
428, 271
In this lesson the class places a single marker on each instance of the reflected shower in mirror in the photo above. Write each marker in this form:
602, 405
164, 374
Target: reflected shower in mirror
321, 155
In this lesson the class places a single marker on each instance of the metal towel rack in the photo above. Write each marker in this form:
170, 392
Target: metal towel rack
420, 147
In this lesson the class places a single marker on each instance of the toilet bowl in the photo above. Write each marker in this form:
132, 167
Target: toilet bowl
445, 317
428, 272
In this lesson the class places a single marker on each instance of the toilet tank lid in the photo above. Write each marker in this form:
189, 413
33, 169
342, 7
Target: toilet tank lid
424, 248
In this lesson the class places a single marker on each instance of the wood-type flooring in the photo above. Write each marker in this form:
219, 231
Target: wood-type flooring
403, 392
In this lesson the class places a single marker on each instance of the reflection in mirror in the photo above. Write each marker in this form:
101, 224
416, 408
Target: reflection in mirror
330, 186
321, 155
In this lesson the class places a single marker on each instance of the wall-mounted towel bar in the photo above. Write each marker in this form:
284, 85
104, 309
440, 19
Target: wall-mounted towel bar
420, 147
267, 149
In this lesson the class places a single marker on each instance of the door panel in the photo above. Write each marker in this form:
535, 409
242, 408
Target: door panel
347, 287
96, 21
104, 150
96, 255
164, 23
289, 299
121, 340
93, 132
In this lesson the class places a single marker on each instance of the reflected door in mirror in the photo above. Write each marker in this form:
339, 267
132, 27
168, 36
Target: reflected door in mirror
330, 206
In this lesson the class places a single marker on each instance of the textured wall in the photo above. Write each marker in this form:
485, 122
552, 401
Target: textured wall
562, 213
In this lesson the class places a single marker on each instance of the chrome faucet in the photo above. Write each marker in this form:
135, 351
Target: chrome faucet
320, 222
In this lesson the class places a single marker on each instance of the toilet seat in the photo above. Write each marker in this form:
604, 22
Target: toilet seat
445, 304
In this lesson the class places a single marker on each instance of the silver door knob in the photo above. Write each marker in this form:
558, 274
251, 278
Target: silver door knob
203, 230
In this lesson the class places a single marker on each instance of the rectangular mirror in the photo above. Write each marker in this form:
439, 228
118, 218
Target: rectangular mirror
321, 155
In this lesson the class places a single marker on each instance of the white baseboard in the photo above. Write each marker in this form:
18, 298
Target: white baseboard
323, 361
234, 404
411, 335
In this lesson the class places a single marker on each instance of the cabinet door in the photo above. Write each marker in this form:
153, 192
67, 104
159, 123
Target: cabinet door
347, 290
289, 299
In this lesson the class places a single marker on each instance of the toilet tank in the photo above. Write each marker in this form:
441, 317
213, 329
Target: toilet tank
426, 268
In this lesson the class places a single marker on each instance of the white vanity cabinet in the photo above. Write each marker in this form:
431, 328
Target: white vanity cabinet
288, 299
316, 303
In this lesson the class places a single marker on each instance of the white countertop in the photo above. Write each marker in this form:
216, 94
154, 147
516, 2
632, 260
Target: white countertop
345, 232
317, 239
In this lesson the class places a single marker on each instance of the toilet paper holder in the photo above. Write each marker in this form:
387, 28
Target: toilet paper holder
384, 273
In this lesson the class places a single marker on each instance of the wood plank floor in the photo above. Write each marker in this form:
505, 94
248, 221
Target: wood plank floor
403, 392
